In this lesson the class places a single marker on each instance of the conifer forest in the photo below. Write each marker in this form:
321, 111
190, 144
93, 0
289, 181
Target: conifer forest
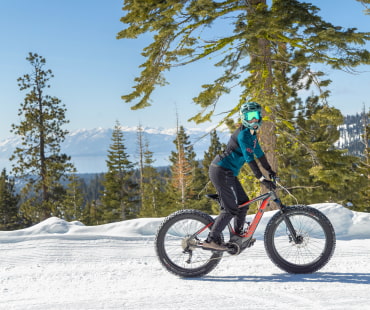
269, 55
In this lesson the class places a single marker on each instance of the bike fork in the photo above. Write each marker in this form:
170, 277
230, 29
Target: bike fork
289, 225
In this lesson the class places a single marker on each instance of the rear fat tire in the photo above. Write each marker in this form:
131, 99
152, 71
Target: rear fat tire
169, 240
315, 250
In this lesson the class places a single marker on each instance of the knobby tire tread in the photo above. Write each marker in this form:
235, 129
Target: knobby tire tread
295, 268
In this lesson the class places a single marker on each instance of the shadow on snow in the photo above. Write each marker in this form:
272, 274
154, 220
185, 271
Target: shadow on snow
329, 277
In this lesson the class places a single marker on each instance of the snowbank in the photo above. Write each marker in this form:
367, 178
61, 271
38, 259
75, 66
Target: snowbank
347, 224
63, 265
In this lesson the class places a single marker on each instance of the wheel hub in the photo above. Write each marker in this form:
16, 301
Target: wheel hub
302, 240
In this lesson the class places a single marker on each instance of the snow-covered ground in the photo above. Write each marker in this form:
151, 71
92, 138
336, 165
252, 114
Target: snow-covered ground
62, 265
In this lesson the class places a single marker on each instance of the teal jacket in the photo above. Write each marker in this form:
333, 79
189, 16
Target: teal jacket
243, 147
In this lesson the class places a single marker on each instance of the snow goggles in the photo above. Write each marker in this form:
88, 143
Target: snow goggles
248, 116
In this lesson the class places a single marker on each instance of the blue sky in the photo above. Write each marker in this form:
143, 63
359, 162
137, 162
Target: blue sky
93, 69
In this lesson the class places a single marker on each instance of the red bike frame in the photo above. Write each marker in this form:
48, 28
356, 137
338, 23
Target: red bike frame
257, 218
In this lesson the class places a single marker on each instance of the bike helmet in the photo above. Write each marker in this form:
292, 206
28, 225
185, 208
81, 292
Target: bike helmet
250, 111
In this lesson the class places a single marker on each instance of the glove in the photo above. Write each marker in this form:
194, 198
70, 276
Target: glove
272, 175
269, 184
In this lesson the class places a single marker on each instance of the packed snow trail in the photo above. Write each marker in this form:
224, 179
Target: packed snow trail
61, 265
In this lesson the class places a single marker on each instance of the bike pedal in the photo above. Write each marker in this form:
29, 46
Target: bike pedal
247, 244
251, 242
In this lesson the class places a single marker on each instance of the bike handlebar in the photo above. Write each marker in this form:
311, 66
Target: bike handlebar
276, 182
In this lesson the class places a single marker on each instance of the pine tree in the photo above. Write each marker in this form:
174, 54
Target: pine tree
152, 187
366, 4
181, 168
93, 213
73, 204
264, 44
186, 180
310, 166
141, 151
9, 216
363, 168
95, 188
215, 148
335, 171
39, 158
150, 182
120, 193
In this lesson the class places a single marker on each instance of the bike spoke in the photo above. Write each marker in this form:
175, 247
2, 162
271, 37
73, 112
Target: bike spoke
174, 244
311, 245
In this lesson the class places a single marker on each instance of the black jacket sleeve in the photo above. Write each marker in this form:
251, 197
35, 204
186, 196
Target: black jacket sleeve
265, 164
256, 170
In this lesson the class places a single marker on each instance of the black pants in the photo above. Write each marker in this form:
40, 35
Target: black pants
231, 195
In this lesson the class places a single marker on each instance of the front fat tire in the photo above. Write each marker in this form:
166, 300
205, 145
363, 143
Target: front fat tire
169, 240
313, 252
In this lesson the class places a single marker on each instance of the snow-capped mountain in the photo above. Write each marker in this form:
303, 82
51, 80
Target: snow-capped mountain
88, 147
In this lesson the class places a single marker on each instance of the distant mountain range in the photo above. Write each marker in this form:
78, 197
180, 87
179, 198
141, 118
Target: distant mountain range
88, 147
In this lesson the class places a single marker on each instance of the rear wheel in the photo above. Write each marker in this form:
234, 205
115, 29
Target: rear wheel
178, 244
313, 247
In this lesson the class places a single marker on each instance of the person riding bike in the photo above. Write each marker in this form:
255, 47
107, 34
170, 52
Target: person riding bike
242, 147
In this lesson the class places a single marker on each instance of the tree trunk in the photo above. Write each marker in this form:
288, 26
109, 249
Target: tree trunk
264, 96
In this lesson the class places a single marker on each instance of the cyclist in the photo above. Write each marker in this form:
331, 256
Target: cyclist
242, 147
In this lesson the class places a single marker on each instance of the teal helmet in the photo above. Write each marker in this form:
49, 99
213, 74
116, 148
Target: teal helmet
250, 111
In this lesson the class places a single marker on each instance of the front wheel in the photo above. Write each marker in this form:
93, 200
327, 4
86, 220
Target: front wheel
178, 244
314, 243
